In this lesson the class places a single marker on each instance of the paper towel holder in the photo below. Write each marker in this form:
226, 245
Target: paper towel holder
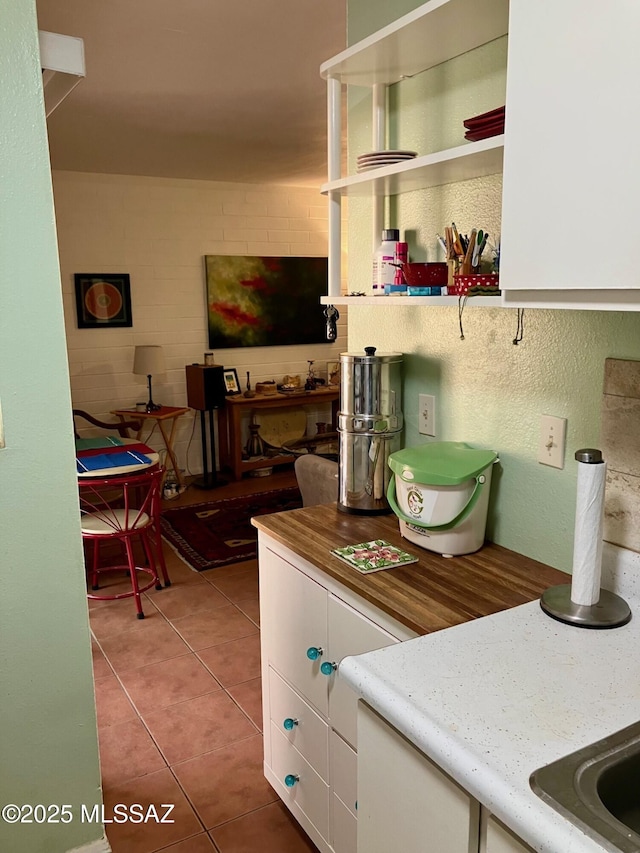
609, 611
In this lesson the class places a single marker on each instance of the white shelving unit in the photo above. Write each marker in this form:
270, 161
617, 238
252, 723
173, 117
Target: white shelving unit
62, 62
472, 301
473, 160
433, 33
421, 39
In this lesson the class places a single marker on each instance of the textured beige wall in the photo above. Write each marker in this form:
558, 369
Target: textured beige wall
489, 392
158, 230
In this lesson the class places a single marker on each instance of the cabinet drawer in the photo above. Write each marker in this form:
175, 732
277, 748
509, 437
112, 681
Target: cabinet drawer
301, 624
309, 793
309, 734
344, 838
350, 633
344, 772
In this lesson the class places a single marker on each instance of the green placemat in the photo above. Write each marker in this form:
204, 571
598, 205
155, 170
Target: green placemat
100, 441
374, 556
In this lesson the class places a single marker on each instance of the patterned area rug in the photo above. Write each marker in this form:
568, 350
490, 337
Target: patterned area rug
217, 533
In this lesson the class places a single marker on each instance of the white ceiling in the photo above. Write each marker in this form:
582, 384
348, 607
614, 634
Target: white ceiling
197, 89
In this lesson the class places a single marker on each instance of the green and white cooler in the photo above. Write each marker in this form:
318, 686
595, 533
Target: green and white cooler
440, 493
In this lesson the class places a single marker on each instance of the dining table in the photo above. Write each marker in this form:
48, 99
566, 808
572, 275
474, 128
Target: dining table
111, 456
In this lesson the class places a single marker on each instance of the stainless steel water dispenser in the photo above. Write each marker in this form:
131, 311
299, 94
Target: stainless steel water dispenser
369, 428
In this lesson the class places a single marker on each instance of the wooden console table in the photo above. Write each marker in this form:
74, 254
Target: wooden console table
230, 421
161, 416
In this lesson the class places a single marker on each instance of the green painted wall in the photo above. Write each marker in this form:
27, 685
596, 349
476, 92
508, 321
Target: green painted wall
48, 739
489, 392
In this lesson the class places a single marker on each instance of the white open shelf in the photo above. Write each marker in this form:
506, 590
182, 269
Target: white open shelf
62, 63
433, 33
473, 160
476, 301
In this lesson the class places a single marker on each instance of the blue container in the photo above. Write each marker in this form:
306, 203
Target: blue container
424, 291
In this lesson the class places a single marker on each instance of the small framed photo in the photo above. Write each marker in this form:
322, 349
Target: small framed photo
103, 300
231, 384
333, 373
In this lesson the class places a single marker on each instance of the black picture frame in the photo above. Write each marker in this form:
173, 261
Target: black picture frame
231, 381
103, 300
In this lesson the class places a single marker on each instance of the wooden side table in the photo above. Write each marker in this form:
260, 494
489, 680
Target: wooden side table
163, 416
230, 422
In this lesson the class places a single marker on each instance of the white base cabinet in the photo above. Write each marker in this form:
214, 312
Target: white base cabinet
496, 838
310, 716
405, 802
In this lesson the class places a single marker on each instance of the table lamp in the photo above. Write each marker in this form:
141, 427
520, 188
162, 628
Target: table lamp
147, 361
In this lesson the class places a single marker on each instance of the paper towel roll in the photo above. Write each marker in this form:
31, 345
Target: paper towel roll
587, 541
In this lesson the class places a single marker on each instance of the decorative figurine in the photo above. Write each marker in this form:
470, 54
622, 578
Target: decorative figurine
333, 373
255, 444
249, 392
310, 384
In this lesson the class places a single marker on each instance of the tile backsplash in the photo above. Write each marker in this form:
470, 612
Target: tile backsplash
620, 443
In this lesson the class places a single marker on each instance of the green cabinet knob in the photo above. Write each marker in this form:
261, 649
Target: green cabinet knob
290, 780
314, 652
327, 668
289, 723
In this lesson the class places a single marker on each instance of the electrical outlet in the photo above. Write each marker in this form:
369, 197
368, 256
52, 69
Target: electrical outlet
426, 414
552, 441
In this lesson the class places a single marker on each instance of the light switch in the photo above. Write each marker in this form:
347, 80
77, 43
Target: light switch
426, 414
552, 441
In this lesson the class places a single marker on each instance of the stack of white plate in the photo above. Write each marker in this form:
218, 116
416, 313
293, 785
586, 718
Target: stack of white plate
377, 159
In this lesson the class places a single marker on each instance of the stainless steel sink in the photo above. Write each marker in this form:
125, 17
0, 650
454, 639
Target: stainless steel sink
598, 789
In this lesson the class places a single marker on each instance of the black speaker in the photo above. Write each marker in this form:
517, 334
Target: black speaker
205, 386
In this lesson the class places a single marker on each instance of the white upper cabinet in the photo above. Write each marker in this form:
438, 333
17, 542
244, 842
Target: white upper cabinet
571, 193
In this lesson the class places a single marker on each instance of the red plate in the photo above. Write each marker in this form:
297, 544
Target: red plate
484, 118
485, 132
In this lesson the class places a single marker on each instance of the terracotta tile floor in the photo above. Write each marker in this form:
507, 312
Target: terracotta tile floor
180, 712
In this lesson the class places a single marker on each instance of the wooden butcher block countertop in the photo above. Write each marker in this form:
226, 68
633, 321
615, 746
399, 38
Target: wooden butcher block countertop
434, 593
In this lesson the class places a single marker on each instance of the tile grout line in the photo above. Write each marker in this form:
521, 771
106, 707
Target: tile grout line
168, 765
195, 653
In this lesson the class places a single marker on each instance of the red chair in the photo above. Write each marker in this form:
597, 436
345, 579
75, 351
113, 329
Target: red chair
124, 509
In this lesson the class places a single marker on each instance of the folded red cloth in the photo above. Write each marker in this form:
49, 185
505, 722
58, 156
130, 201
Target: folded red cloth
138, 447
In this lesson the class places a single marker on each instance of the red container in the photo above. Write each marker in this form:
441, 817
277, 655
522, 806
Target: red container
425, 275
487, 283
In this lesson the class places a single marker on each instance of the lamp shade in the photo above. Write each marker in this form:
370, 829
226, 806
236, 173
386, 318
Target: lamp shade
148, 361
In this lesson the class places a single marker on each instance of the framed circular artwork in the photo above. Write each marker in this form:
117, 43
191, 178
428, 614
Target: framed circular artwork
103, 300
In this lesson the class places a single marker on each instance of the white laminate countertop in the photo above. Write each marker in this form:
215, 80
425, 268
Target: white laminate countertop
494, 699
